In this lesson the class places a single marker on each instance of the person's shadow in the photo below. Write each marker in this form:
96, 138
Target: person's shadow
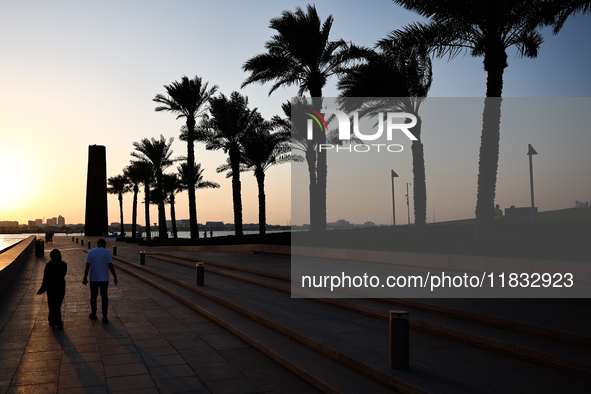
78, 369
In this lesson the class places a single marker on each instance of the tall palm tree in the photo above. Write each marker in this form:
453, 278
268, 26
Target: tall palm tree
487, 29
134, 173
198, 181
188, 99
400, 81
157, 153
119, 185
301, 54
145, 172
230, 120
262, 150
172, 185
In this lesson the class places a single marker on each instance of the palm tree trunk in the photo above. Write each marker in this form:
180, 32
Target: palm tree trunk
173, 216
419, 179
193, 226
162, 230
236, 189
147, 210
311, 160
260, 175
489, 146
121, 213
321, 169
134, 213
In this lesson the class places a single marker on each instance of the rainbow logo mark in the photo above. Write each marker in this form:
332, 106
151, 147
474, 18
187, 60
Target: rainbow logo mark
315, 115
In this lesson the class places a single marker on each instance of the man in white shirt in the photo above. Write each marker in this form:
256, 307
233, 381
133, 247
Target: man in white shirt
99, 263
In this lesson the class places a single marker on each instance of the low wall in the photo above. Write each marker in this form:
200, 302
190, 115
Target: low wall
453, 264
12, 260
250, 248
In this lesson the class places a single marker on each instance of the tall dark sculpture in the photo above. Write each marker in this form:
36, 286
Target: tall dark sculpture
96, 222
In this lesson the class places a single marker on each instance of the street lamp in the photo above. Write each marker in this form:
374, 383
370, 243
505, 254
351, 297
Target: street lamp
393, 175
530, 152
407, 203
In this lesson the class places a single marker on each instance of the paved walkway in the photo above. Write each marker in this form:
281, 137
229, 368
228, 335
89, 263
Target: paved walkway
152, 344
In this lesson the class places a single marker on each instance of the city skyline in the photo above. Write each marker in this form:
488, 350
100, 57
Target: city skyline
90, 72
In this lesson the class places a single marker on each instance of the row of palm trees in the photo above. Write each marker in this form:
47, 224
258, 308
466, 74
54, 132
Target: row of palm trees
251, 142
301, 54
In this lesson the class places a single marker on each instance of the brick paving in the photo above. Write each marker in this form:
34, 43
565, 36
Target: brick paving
152, 344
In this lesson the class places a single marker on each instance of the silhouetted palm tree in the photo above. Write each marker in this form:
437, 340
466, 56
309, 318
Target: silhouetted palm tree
403, 79
171, 185
119, 185
230, 120
157, 153
188, 99
301, 54
133, 172
560, 11
488, 29
146, 172
262, 150
198, 181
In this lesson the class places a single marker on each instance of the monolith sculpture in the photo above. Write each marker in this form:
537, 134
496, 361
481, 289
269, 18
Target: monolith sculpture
96, 222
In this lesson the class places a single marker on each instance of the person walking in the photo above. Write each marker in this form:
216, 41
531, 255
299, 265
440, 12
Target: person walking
54, 283
99, 263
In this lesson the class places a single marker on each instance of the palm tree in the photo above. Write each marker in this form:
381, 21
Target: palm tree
172, 185
119, 185
262, 150
157, 153
488, 29
133, 172
188, 99
145, 172
230, 120
559, 12
301, 54
404, 80
198, 181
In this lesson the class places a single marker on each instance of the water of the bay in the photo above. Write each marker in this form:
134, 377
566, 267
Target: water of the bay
7, 240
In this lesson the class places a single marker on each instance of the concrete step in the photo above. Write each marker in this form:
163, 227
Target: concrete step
322, 372
366, 341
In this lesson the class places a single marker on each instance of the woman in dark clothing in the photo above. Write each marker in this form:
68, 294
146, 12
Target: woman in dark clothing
54, 283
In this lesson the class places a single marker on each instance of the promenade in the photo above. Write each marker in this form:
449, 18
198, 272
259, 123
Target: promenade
152, 343
243, 333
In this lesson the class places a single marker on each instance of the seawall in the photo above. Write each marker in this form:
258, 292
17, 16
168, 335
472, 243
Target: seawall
12, 260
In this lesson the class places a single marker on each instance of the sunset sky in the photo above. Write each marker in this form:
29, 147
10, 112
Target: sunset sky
78, 73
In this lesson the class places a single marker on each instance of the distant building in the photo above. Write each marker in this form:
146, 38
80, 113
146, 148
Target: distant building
369, 224
31, 223
341, 223
38, 222
8, 224
214, 224
179, 223
61, 221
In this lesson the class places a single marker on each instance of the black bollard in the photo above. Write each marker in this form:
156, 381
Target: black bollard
200, 274
76, 240
88, 244
72, 239
142, 258
81, 242
399, 344
114, 250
